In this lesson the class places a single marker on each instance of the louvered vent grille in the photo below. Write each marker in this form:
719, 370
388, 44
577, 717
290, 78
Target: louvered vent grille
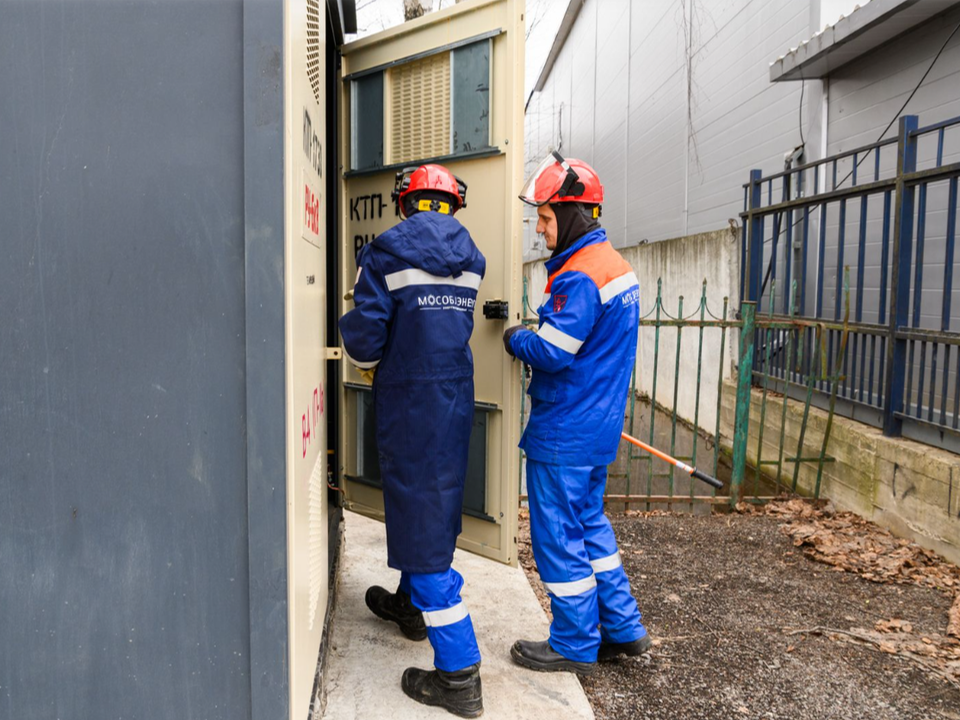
318, 536
313, 46
420, 113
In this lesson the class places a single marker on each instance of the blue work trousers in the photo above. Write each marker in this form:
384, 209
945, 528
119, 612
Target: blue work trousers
578, 560
449, 627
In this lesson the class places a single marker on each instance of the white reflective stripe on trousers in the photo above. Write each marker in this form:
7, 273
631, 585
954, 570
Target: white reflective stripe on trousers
605, 564
415, 276
569, 589
448, 616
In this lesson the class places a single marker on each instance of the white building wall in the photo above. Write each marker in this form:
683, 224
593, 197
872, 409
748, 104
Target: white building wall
674, 154
868, 92
674, 162
740, 119
618, 94
657, 128
864, 96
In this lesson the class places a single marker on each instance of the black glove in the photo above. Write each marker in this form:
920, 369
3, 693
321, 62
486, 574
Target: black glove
507, 334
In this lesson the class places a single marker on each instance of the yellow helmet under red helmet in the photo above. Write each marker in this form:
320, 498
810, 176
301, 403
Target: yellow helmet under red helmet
434, 178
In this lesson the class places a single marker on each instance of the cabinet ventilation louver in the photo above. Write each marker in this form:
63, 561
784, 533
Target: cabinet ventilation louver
420, 113
313, 46
316, 570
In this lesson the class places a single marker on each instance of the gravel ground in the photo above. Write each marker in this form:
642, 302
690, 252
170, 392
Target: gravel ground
721, 594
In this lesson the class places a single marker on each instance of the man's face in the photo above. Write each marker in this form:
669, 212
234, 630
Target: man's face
547, 225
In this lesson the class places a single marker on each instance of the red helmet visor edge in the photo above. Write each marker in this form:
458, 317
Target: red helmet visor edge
553, 177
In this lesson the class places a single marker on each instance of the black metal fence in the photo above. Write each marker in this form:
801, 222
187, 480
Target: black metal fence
888, 213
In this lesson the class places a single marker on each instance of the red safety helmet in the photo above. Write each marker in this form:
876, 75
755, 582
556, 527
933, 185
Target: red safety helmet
558, 180
431, 178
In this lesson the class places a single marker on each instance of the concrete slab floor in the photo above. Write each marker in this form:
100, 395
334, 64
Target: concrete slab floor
368, 655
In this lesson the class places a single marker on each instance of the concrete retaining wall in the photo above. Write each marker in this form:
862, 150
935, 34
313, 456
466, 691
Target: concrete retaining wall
910, 488
682, 265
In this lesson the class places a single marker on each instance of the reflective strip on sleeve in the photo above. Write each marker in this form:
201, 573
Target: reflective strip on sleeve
415, 276
363, 365
569, 589
617, 286
559, 339
605, 564
448, 616
545, 299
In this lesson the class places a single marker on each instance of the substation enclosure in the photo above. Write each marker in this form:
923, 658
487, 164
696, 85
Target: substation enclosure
166, 175
183, 188
445, 88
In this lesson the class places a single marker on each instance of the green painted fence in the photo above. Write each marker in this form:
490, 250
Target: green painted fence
788, 343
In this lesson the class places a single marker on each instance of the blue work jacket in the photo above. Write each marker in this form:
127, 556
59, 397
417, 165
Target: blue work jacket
415, 295
582, 356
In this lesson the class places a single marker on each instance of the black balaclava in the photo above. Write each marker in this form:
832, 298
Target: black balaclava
574, 220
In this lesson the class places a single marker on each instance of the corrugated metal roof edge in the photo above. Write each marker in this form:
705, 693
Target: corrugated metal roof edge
569, 17
863, 20
825, 28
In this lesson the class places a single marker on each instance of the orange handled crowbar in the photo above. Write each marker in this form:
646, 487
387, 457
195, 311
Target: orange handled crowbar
693, 472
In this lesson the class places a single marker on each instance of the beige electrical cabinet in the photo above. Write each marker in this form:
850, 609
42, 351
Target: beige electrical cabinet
305, 277
445, 88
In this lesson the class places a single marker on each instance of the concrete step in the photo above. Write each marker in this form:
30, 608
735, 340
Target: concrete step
368, 655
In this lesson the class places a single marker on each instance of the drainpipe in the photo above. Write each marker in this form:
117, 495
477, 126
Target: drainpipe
824, 127
688, 60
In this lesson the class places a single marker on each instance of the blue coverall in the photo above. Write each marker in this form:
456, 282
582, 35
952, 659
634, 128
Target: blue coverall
414, 296
582, 357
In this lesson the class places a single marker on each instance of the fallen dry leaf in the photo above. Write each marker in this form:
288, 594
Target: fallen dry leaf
848, 542
891, 626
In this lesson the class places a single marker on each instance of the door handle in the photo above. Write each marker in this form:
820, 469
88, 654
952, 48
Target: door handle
496, 310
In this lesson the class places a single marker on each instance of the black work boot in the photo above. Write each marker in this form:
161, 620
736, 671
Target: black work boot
614, 651
397, 607
458, 692
540, 656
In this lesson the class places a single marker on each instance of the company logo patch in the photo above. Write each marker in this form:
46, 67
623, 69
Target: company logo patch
462, 303
559, 302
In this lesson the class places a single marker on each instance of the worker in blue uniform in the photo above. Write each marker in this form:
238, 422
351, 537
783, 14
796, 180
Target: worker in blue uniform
414, 296
582, 357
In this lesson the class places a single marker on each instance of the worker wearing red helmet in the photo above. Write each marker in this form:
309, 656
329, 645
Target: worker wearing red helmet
414, 297
582, 357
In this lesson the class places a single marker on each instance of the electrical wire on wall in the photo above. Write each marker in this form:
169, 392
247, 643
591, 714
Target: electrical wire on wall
896, 116
803, 84
795, 156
